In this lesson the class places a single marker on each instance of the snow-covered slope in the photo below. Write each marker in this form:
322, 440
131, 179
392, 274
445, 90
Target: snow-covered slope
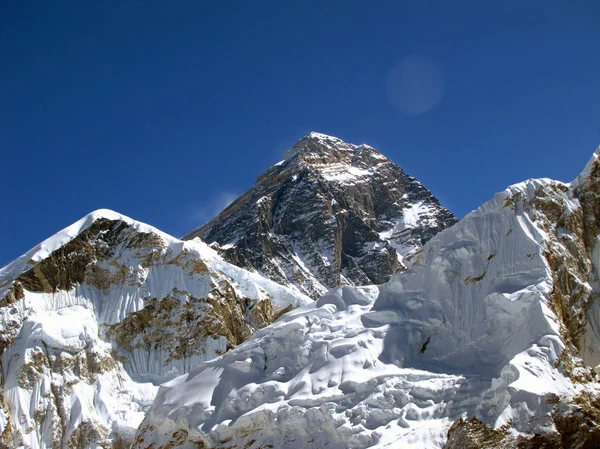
497, 318
330, 213
97, 315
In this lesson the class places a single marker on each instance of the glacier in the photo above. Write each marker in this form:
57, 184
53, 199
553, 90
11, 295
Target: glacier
496, 319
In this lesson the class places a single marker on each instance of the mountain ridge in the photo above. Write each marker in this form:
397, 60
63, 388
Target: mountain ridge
496, 318
92, 318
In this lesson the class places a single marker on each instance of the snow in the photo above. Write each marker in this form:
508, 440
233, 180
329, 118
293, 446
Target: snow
69, 329
70, 325
343, 173
326, 141
113, 399
44, 249
585, 174
414, 215
315, 135
467, 331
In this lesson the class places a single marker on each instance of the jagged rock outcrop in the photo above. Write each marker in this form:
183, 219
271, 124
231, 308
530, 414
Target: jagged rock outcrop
330, 213
92, 319
497, 319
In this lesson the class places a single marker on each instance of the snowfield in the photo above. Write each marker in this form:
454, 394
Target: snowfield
471, 329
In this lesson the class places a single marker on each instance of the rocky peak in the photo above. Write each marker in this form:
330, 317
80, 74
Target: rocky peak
327, 154
329, 213
320, 149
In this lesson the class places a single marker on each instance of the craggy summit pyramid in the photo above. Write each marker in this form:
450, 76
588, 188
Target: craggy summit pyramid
330, 213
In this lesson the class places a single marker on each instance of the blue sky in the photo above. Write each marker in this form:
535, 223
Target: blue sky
165, 111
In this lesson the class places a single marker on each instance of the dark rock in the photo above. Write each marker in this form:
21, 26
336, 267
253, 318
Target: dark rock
329, 214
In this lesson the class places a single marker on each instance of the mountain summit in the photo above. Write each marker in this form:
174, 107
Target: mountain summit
330, 213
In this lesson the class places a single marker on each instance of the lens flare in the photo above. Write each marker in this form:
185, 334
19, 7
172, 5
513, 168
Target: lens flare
415, 84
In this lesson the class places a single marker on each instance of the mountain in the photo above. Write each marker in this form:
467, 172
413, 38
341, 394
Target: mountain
330, 213
97, 315
488, 340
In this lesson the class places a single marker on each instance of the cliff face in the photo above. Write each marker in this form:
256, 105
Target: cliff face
330, 213
497, 318
96, 316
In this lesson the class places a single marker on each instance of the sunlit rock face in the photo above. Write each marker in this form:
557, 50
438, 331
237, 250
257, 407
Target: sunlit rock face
330, 213
92, 319
490, 339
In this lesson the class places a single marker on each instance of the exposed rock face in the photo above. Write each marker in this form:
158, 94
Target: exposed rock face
94, 316
575, 425
497, 318
329, 214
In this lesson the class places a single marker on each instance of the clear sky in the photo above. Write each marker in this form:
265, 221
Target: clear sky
165, 111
